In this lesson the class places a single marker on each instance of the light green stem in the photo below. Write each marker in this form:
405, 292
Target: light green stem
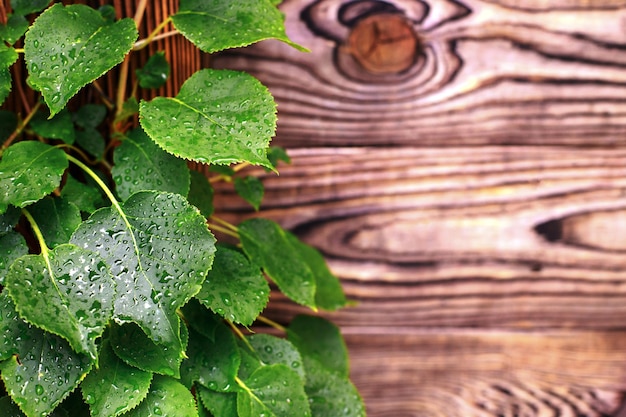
39, 235
272, 323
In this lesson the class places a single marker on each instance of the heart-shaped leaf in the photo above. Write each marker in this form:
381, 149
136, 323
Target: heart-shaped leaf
41, 369
213, 25
235, 288
167, 397
29, 171
139, 164
67, 291
218, 117
68, 47
267, 245
114, 387
160, 251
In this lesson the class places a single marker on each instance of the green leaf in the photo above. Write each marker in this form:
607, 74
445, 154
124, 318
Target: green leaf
12, 246
329, 294
275, 390
159, 249
132, 345
224, 170
15, 27
90, 115
129, 108
43, 369
108, 13
331, 394
201, 319
139, 164
154, 74
24, 7
167, 397
267, 245
9, 409
114, 387
276, 153
57, 218
58, 127
218, 117
213, 25
8, 56
86, 197
201, 193
250, 189
68, 47
272, 350
321, 340
213, 364
28, 171
222, 404
9, 219
91, 141
8, 123
235, 289
68, 292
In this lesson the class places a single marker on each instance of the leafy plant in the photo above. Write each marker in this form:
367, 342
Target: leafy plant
115, 297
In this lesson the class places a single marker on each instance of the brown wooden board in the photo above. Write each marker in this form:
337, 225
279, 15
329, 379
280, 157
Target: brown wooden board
461, 165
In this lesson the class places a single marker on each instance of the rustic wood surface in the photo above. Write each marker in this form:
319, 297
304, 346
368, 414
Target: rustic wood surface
469, 192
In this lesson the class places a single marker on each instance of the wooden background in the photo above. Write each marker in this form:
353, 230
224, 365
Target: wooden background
463, 171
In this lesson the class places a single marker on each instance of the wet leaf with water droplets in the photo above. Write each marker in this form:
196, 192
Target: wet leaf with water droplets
168, 398
115, 387
218, 117
273, 390
139, 164
213, 25
24, 7
29, 171
201, 193
57, 218
271, 349
68, 47
160, 250
8, 56
222, 404
135, 348
58, 127
87, 198
235, 289
267, 245
12, 246
67, 291
15, 27
40, 368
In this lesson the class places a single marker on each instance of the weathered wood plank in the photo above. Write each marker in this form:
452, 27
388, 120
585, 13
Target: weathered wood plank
487, 72
488, 374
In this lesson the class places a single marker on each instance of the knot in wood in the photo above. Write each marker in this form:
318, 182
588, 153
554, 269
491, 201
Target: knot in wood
384, 44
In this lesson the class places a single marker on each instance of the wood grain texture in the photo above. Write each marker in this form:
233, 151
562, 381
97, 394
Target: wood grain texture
473, 203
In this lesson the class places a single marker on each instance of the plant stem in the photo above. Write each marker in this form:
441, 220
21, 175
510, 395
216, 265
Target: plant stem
142, 43
19, 50
21, 127
226, 224
272, 323
240, 335
223, 230
39, 235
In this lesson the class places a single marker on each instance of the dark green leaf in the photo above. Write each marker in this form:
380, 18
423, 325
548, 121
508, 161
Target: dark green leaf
14, 29
8, 123
114, 387
224, 170
267, 245
331, 394
154, 74
24, 7
90, 115
271, 350
9, 409
58, 127
276, 153
28, 171
321, 340
57, 218
135, 348
213, 25
108, 13
139, 164
250, 189
87, 198
44, 369
8, 56
160, 250
234, 288
129, 108
218, 117
250, 361
67, 291
201, 193
167, 397
213, 364
91, 141
68, 47
329, 294
12, 246
201, 319
9, 219
222, 404
273, 390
